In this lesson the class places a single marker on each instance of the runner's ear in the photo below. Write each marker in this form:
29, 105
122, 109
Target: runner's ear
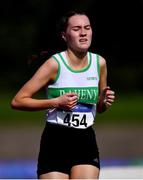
64, 36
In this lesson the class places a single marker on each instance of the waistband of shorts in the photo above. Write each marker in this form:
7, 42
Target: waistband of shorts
58, 126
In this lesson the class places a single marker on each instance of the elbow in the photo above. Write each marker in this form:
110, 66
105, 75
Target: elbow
14, 104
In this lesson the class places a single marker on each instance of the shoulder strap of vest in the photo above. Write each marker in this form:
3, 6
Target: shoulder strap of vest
98, 64
95, 60
55, 57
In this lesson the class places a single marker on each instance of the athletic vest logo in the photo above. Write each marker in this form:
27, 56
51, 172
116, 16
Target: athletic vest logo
91, 78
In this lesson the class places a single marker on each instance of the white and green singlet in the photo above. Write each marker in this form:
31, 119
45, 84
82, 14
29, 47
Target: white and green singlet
83, 82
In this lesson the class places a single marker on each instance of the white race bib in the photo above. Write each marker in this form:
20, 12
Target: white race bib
81, 117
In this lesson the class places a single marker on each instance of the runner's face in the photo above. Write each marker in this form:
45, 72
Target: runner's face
78, 34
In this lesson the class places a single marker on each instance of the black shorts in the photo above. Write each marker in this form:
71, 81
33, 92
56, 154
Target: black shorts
61, 148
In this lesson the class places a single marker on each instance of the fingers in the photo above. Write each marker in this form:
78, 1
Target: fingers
68, 101
72, 100
109, 96
72, 94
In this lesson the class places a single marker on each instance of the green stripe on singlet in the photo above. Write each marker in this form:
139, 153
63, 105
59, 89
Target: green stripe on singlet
98, 66
85, 94
76, 71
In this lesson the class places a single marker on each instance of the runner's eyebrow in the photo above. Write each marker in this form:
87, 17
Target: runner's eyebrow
81, 26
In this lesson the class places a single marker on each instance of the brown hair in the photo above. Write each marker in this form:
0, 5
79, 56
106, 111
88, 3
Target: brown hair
63, 23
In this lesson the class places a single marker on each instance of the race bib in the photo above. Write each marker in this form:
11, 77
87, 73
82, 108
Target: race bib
80, 117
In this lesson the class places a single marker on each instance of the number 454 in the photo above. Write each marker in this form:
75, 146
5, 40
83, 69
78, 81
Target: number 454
75, 120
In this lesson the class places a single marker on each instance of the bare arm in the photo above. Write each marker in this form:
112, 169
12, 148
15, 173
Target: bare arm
46, 73
106, 95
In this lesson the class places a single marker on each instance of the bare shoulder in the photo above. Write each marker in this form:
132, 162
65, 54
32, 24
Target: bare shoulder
51, 64
102, 61
47, 71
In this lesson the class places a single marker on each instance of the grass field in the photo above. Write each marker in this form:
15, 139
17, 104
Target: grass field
128, 108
